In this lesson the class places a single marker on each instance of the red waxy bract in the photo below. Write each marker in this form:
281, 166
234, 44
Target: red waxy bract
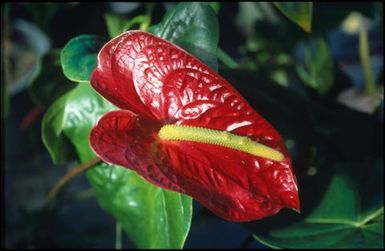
155, 83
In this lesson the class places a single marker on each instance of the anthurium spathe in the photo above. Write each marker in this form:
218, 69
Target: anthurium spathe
183, 127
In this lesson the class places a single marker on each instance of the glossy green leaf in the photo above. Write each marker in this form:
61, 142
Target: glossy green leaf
151, 216
318, 72
50, 84
77, 112
298, 12
194, 27
57, 144
69, 120
78, 57
350, 214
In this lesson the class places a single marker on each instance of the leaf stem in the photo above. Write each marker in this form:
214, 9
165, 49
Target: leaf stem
226, 59
375, 214
118, 237
31, 116
332, 221
365, 61
372, 216
69, 176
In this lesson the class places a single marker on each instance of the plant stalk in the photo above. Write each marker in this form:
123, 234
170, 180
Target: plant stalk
118, 237
365, 61
68, 177
31, 116
226, 59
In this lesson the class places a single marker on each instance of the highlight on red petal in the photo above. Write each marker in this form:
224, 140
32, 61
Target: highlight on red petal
112, 78
163, 84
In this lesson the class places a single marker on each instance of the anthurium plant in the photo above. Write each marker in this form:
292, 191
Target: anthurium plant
184, 128
155, 125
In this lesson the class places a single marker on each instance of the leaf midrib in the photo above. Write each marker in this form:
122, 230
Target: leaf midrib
356, 224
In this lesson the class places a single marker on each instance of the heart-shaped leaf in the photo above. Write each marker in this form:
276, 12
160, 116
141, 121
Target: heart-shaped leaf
78, 57
194, 27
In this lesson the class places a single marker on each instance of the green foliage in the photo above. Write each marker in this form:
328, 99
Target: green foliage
78, 57
143, 209
69, 120
115, 24
194, 27
151, 216
348, 192
349, 215
298, 12
72, 116
318, 72
55, 141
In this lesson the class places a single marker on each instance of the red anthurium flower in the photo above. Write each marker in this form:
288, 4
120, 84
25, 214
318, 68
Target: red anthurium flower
183, 127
